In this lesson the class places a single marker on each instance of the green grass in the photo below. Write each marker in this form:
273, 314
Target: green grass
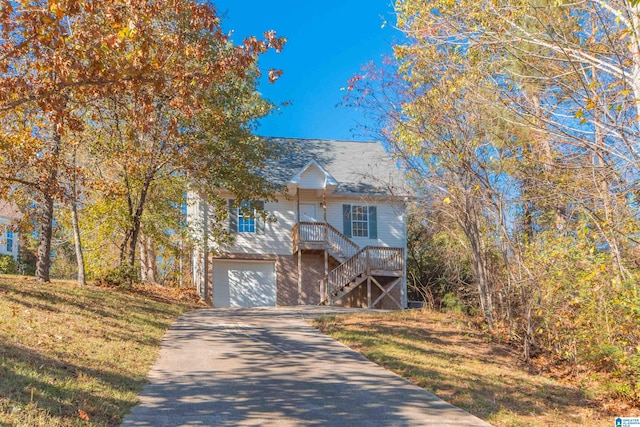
71, 356
448, 356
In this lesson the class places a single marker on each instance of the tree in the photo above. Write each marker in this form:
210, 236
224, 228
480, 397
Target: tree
521, 120
61, 57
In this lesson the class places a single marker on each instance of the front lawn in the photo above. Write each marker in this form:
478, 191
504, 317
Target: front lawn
452, 358
71, 356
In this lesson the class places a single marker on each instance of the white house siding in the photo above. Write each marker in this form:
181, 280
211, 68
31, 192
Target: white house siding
390, 220
4, 225
312, 178
198, 217
276, 239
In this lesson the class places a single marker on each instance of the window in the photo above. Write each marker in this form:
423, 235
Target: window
360, 221
9, 240
246, 218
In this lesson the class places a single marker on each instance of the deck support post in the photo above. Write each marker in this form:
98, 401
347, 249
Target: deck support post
325, 295
299, 277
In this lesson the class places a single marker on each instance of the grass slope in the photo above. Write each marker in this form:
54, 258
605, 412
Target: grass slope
71, 356
452, 359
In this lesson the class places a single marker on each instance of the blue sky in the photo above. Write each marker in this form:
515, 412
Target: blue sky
328, 42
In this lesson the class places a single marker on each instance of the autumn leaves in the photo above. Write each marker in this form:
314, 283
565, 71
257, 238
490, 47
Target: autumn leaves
100, 101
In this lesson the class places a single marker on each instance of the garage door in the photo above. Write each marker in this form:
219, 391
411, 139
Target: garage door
244, 283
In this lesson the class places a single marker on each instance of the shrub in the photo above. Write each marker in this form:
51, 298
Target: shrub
123, 276
8, 265
451, 303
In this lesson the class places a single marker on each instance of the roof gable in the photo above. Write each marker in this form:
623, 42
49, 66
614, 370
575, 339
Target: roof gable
9, 210
314, 177
348, 167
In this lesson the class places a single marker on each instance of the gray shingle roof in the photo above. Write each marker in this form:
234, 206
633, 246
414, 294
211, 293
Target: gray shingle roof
359, 167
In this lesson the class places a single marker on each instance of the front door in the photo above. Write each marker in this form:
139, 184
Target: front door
308, 212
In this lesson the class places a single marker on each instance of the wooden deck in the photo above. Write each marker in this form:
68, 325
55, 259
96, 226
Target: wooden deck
357, 265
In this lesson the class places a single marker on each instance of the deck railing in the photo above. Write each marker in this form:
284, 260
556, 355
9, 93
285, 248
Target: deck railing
388, 259
356, 261
311, 232
320, 232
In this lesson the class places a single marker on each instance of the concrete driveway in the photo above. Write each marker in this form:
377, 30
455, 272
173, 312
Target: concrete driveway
268, 367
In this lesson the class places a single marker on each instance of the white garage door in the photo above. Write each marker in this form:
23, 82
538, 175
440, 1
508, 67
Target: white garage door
244, 283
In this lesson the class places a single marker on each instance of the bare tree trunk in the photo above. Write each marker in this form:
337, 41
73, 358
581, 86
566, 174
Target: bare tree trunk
143, 261
471, 226
153, 268
602, 181
78, 244
148, 267
76, 228
136, 220
130, 242
43, 262
634, 48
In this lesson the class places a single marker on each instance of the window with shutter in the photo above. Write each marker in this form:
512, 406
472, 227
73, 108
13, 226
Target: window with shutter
246, 218
360, 221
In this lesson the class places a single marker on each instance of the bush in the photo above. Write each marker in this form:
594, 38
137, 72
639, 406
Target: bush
8, 265
123, 276
451, 303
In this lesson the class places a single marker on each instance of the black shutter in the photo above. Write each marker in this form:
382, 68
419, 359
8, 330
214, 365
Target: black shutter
259, 217
233, 217
373, 223
346, 220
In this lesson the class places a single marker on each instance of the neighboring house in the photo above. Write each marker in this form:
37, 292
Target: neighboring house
339, 235
9, 214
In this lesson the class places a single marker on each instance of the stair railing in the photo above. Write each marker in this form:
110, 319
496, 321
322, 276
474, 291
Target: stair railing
366, 259
340, 243
357, 261
343, 274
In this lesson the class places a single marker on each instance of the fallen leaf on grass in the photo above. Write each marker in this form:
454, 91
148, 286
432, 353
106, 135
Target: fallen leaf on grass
83, 415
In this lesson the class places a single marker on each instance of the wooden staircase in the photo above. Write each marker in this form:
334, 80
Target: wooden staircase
357, 265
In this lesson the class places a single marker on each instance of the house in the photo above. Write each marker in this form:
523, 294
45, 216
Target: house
9, 214
339, 235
